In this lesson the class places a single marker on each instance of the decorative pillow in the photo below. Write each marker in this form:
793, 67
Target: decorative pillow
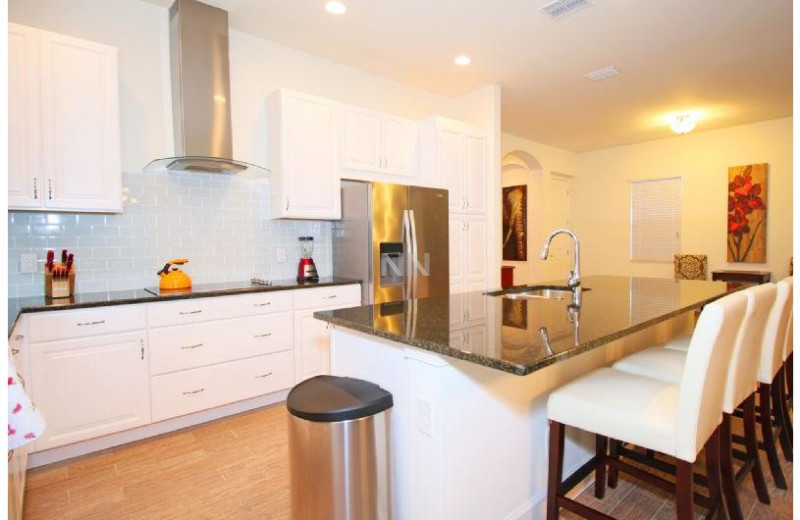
691, 267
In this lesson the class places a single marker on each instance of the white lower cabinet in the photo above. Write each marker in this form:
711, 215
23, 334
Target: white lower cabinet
90, 387
103, 377
198, 389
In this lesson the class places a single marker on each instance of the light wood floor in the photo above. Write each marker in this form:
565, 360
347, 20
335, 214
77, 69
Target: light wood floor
237, 468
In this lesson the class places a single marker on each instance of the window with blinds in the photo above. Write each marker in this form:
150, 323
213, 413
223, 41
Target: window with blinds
655, 220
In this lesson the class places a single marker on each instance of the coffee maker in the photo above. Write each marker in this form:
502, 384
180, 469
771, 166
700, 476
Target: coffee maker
306, 270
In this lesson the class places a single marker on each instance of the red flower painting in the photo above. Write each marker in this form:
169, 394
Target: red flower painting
747, 213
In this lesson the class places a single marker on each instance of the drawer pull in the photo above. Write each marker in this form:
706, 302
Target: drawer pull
188, 347
192, 392
268, 334
91, 323
262, 304
14, 351
332, 296
19, 337
262, 376
190, 312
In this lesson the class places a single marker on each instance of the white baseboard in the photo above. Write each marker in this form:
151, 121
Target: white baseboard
77, 449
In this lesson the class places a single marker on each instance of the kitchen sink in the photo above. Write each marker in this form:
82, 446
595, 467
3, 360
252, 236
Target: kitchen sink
553, 294
547, 292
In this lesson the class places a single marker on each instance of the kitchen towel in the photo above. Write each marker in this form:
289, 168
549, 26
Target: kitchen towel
25, 422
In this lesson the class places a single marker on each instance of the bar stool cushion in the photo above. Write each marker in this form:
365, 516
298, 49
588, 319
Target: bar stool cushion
661, 363
624, 406
679, 342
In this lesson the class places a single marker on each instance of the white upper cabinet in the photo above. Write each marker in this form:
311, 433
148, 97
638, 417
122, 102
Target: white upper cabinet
24, 130
304, 157
377, 142
454, 155
65, 150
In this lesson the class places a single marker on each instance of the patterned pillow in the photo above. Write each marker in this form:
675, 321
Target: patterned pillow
690, 267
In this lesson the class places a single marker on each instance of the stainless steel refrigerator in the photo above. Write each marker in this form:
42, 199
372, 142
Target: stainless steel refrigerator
395, 239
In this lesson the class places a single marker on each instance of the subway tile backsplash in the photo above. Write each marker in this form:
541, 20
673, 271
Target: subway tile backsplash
218, 222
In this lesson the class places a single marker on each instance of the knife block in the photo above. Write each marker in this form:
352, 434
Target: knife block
59, 287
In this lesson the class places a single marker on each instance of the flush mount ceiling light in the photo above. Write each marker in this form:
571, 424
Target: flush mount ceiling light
336, 7
683, 123
601, 74
463, 60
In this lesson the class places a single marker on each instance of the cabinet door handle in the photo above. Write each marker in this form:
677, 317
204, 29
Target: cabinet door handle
467, 222
19, 337
191, 312
287, 203
35, 189
467, 202
189, 347
14, 351
192, 392
262, 304
50, 189
85, 323
262, 376
331, 297
266, 335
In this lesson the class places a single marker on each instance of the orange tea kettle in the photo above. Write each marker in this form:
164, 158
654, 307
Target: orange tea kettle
172, 278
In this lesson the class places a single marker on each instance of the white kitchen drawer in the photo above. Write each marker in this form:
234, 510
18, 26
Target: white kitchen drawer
195, 310
56, 325
327, 296
200, 344
189, 391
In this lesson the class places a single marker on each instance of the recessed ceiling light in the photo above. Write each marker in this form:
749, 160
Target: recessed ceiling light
463, 60
336, 7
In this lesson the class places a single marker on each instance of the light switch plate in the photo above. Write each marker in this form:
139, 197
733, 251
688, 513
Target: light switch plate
27, 263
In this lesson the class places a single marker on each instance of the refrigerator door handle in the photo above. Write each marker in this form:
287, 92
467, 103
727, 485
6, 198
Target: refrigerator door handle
408, 254
414, 254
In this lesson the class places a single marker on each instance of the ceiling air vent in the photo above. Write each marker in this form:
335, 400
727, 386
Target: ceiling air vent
601, 74
561, 8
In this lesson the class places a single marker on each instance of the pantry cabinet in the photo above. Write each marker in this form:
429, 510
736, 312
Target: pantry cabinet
304, 157
64, 136
377, 142
468, 253
91, 386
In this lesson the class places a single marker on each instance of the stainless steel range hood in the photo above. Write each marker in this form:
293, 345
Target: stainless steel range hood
201, 110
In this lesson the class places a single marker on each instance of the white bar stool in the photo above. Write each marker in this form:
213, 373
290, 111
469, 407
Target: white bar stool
676, 420
667, 365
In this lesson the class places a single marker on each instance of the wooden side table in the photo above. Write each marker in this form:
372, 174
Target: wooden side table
757, 277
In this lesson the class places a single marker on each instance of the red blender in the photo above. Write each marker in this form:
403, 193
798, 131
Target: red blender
306, 270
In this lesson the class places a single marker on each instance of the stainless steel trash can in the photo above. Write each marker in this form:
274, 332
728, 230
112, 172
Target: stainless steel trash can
339, 450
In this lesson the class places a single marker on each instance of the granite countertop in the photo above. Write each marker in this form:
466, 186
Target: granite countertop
522, 336
17, 306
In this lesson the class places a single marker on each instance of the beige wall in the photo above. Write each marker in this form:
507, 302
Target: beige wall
540, 209
601, 196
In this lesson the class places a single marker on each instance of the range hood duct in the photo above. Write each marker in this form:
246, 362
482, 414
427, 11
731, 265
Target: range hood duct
200, 73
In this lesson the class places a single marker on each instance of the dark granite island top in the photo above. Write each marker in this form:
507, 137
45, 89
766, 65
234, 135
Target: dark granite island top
521, 336
17, 306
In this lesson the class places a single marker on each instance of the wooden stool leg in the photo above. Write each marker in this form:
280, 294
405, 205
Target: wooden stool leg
713, 450
556, 468
684, 496
751, 445
726, 470
784, 403
765, 418
778, 411
601, 445
613, 472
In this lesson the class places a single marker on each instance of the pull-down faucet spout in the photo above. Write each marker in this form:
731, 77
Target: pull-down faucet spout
574, 275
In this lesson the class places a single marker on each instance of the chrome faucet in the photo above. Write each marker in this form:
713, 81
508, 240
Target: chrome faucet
574, 275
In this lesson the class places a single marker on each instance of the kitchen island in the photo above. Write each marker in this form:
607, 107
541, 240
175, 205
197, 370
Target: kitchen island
470, 374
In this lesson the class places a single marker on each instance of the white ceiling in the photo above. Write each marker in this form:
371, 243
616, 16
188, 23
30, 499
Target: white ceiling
729, 59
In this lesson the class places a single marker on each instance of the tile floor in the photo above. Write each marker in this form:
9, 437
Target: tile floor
237, 468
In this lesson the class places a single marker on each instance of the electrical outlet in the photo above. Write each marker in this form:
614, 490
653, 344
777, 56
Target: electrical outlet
27, 263
424, 417
281, 254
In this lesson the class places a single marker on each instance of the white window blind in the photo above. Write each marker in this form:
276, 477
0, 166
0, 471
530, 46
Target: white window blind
655, 220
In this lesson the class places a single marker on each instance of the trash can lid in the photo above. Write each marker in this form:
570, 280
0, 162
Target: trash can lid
334, 399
